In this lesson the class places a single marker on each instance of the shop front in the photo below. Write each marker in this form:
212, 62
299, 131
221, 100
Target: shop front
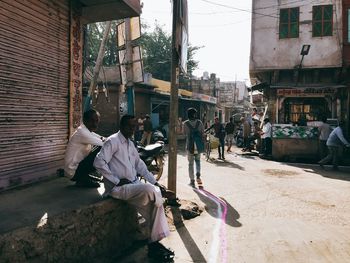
302, 105
298, 114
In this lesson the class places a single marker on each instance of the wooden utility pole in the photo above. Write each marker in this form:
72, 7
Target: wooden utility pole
129, 68
173, 102
99, 60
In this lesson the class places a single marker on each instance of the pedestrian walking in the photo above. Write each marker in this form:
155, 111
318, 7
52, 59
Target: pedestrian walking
147, 131
194, 131
229, 129
220, 134
323, 133
334, 143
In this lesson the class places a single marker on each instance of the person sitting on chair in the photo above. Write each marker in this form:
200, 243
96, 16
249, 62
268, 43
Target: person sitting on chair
80, 153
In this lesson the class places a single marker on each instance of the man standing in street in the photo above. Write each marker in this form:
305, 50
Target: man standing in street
334, 143
147, 131
120, 163
80, 153
229, 129
266, 136
193, 127
246, 133
324, 131
220, 134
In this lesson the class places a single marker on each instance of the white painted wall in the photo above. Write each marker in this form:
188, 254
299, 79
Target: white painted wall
270, 52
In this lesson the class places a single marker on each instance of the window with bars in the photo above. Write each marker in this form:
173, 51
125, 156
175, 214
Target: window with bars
289, 23
322, 20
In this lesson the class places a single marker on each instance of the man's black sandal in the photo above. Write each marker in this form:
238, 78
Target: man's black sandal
160, 252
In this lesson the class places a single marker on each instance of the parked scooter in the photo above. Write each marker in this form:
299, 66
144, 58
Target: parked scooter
154, 157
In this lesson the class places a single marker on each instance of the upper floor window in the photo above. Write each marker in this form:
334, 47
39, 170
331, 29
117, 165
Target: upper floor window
322, 20
289, 22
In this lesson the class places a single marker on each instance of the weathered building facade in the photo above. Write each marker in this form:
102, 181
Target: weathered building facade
297, 59
41, 44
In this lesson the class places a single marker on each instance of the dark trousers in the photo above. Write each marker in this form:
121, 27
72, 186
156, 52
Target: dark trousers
267, 146
86, 166
322, 147
332, 156
221, 147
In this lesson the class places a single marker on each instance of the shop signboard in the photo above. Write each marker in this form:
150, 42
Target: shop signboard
305, 92
204, 97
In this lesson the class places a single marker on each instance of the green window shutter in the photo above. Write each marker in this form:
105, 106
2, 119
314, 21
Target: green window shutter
328, 12
327, 29
317, 13
284, 31
284, 16
317, 29
289, 23
294, 30
322, 20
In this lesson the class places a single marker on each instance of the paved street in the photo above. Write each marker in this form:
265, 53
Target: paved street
264, 211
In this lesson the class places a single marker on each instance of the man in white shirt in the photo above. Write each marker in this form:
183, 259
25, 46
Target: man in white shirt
335, 141
266, 137
120, 163
80, 153
324, 131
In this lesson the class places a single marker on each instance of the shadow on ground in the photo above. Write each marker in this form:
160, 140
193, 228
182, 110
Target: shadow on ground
342, 174
212, 202
186, 237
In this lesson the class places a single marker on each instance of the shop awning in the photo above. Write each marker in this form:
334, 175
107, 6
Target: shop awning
307, 86
260, 87
164, 87
107, 10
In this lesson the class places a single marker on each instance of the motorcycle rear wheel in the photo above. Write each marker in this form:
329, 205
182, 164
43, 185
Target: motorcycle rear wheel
157, 166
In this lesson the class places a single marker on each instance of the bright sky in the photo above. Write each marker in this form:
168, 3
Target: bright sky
221, 26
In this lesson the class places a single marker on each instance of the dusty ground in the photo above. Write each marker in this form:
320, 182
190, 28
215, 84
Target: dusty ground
263, 211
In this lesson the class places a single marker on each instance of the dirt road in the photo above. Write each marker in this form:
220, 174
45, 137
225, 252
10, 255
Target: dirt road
264, 211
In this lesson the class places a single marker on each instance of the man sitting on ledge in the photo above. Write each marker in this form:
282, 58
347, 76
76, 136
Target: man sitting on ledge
119, 163
80, 153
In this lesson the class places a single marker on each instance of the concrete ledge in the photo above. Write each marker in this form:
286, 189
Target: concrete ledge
80, 233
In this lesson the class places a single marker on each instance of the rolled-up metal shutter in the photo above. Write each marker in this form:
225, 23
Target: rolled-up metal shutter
34, 80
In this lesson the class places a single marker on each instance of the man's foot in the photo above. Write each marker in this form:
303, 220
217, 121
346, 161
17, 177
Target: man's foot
192, 183
199, 181
157, 251
87, 183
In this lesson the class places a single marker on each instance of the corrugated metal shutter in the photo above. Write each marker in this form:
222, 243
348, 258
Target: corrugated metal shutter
34, 72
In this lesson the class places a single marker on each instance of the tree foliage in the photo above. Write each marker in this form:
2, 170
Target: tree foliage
93, 38
156, 47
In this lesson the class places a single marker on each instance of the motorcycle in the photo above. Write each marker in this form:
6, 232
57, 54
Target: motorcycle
238, 136
154, 157
157, 136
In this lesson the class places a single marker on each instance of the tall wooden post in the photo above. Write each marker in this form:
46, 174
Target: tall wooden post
173, 103
129, 68
98, 64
